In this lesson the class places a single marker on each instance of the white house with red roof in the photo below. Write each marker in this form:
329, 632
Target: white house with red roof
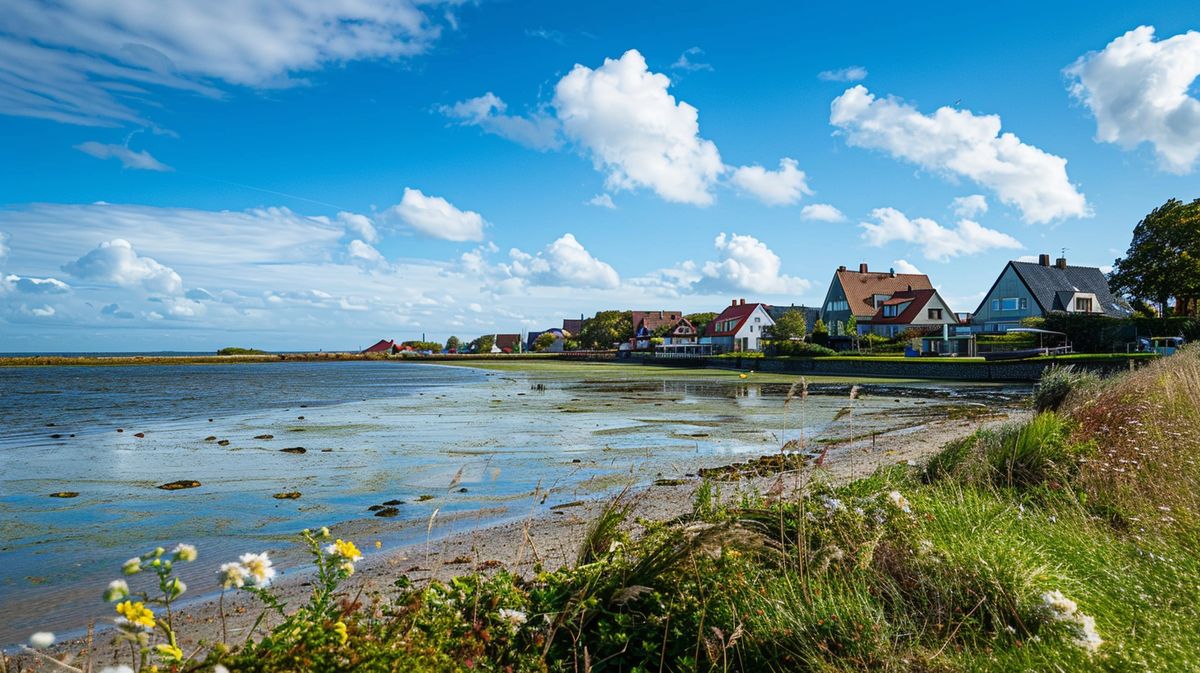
907, 309
740, 327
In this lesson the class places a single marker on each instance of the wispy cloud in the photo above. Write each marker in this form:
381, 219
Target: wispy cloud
142, 160
854, 73
685, 62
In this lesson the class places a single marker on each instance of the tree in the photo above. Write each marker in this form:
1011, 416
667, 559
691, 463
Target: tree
1163, 260
606, 329
820, 333
852, 328
483, 344
431, 346
700, 320
544, 341
791, 325
453, 344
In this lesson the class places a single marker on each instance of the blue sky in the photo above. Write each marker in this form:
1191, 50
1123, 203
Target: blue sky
322, 177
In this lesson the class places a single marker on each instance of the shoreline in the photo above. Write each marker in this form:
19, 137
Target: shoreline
550, 538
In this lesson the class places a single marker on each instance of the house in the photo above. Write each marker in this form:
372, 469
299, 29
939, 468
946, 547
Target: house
556, 347
506, 343
382, 346
573, 327
684, 332
739, 327
645, 323
861, 294
810, 314
908, 309
1033, 289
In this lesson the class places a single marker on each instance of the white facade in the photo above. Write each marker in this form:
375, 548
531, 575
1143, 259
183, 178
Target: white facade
749, 336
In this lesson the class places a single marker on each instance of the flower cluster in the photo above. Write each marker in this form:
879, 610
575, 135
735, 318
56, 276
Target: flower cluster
1063, 609
344, 555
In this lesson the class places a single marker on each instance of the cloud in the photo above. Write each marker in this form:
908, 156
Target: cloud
359, 224
115, 311
1140, 90
565, 262
775, 188
602, 201
854, 73
539, 131
116, 262
904, 266
623, 117
684, 61
936, 242
75, 61
42, 312
29, 285
199, 294
959, 143
822, 212
3, 245
364, 252
746, 263
970, 206
437, 218
128, 158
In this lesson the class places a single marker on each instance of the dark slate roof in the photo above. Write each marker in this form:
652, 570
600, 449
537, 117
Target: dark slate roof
810, 314
1045, 282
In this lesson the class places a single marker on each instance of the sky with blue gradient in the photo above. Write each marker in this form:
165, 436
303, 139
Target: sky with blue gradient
302, 174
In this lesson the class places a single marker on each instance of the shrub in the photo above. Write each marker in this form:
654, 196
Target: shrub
799, 349
1057, 383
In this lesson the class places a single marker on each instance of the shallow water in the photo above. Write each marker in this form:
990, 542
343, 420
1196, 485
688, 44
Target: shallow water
372, 431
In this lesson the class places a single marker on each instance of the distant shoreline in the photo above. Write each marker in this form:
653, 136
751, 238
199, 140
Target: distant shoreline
121, 360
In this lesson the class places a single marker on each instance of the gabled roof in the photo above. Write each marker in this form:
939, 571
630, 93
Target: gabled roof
739, 312
810, 314
509, 341
1046, 281
860, 288
381, 346
917, 300
683, 322
572, 326
652, 320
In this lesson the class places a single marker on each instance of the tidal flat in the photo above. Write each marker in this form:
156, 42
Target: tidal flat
482, 445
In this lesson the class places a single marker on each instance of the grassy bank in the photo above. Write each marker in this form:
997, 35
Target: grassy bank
1066, 543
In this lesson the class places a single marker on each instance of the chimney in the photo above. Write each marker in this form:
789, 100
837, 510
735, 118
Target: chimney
742, 302
842, 267
892, 272
1044, 260
733, 303
862, 268
1061, 262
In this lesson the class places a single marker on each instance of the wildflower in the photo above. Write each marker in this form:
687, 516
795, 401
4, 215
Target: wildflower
136, 614
833, 504
132, 567
340, 629
116, 669
514, 617
184, 552
232, 576
258, 569
176, 587
169, 653
345, 550
117, 590
324, 531
347, 567
41, 639
899, 501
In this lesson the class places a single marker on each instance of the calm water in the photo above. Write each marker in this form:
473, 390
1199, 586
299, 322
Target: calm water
372, 431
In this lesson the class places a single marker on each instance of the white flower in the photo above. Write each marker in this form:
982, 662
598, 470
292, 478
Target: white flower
41, 639
184, 552
132, 566
232, 576
833, 504
116, 669
513, 617
899, 501
117, 590
258, 569
176, 587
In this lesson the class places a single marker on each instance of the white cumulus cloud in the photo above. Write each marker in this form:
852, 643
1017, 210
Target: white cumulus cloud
29, 285
359, 224
970, 206
129, 159
1140, 90
746, 263
565, 262
905, 266
365, 252
438, 218
936, 242
602, 201
775, 188
962, 144
116, 262
488, 112
622, 115
822, 212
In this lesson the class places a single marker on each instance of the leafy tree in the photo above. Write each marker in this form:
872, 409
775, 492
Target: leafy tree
663, 330
607, 328
453, 344
1163, 260
852, 328
483, 344
700, 320
544, 341
820, 333
791, 325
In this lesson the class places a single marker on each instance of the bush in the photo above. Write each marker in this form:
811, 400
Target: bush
1057, 383
799, 349
234, 350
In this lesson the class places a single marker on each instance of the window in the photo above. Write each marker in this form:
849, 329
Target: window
889, 311
1083, 304
758, 320
935, 314
1024, 303
1009, 304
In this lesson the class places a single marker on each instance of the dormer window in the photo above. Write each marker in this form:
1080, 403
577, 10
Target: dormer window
1083, 304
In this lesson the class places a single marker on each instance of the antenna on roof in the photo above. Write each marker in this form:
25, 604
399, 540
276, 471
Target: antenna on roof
1064, 251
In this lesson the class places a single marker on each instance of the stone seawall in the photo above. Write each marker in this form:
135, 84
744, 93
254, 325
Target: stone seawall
915, 368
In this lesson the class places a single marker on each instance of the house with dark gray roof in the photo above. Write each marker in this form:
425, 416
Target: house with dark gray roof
1033, 289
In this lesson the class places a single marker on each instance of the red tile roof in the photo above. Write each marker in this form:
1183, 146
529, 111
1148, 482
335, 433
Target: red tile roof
508, 342
382, 346
739, 312
861, 288
917, 301
654, 319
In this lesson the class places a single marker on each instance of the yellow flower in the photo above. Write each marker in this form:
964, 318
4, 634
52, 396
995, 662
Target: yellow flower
348, 568
185, 552
340, 629
132, 566
137, 614
169, 653
344, 549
